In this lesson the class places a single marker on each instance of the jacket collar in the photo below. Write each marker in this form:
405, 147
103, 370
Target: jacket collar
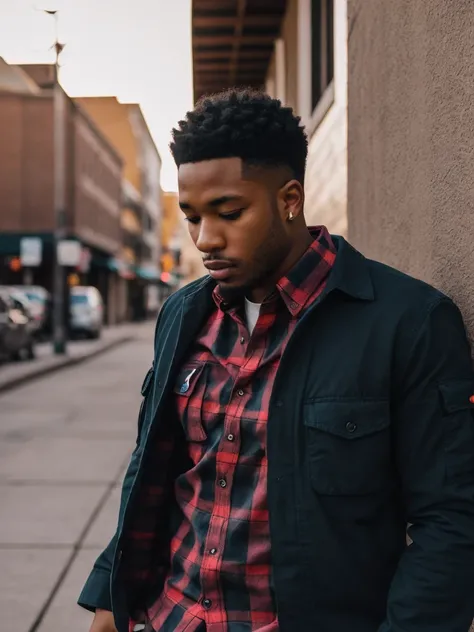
350, 273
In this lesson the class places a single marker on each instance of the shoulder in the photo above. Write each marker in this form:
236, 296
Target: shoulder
401, 292
186, 291
172, 304
417, 310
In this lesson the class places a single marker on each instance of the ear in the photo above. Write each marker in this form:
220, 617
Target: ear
291, 200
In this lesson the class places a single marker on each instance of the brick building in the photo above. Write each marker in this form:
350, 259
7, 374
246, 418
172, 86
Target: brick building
126, 129
93, 173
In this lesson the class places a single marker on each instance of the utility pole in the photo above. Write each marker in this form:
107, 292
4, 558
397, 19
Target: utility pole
59, 114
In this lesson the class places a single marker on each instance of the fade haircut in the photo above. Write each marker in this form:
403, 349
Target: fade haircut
242, 123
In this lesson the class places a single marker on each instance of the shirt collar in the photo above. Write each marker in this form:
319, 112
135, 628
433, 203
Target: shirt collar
310, 271
305, 277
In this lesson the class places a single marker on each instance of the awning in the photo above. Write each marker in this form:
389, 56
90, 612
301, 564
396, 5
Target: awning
233, 41
148, 272
10, 242
123, 269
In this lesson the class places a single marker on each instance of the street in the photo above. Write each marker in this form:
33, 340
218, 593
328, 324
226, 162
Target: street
65, 440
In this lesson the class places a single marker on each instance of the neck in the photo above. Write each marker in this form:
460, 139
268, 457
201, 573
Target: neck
300, 246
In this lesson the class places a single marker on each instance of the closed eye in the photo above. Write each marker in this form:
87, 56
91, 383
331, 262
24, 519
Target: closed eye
192, 220
233, 215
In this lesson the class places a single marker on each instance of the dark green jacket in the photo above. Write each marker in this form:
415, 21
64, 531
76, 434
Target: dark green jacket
370, 429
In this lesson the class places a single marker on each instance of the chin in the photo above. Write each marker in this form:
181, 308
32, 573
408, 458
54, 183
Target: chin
231, 291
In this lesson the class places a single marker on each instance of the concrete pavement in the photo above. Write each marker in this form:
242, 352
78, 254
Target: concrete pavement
15, 373
65, 440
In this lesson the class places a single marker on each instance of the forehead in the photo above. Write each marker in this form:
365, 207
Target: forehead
213, 178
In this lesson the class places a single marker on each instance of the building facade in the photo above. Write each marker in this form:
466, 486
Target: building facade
185, 259
92, 185
308, 71
124, 126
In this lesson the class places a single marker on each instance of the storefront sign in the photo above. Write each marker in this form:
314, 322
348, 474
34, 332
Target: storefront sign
69, 253
31, 252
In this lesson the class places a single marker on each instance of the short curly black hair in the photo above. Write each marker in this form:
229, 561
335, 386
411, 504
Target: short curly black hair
243, 123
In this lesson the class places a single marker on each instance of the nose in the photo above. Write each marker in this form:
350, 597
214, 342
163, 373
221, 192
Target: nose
210, 238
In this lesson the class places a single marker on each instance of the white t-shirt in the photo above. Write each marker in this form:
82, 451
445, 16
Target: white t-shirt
252, 311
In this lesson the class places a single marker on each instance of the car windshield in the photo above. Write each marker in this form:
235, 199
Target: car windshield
79, 299
32, 296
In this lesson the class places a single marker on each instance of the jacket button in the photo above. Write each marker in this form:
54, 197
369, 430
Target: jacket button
207, 603
351, 426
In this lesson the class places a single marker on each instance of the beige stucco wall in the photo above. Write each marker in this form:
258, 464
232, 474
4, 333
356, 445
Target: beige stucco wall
411, 139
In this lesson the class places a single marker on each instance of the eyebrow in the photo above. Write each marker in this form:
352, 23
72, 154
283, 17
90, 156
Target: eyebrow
224, 199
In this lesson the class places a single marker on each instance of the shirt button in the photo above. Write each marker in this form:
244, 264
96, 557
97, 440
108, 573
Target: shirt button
351, 426
213, 551
223, 483
242, 341
207, 603
294, 305
230, 437
240, 393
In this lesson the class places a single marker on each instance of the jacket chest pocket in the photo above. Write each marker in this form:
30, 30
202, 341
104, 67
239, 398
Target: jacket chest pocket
348, 446
189, 392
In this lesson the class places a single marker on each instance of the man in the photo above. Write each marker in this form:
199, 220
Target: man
304, 405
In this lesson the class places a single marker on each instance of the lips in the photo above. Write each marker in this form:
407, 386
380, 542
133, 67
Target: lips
219, 270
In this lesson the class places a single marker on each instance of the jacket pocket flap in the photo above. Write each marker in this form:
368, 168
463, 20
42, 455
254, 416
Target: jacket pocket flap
456, 395
147, 381
348, 419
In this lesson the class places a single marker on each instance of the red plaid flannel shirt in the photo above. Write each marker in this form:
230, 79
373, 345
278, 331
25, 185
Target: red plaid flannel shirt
220, 553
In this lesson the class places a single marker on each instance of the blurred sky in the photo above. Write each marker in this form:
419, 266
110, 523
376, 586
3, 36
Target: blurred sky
137, 50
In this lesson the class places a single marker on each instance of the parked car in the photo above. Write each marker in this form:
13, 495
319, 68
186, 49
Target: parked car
16, 332
87, 311
20, 301
40, 300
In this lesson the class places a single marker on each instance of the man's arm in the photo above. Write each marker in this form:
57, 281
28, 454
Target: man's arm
95, 594
433, 588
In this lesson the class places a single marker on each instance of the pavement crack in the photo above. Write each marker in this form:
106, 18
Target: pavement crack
76, 548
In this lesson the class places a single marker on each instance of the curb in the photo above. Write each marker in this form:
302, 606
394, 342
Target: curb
15, 382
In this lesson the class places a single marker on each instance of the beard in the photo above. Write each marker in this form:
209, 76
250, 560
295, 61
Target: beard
264, 266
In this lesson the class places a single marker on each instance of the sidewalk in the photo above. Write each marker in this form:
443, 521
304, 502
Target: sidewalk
65, 441
14, 374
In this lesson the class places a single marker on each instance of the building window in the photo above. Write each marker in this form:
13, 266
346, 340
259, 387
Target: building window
322, 57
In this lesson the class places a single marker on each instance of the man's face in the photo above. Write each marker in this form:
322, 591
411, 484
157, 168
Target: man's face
236, 221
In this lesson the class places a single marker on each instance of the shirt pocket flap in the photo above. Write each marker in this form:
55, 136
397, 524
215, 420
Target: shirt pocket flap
457, 395
348, 419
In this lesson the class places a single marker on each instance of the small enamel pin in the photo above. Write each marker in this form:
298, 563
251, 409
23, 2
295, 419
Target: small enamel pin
185, 385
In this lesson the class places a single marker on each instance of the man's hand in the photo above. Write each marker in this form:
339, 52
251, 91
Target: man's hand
103, 622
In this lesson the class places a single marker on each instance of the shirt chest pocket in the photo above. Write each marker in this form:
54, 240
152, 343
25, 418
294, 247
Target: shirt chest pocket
348, 446
189, 393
